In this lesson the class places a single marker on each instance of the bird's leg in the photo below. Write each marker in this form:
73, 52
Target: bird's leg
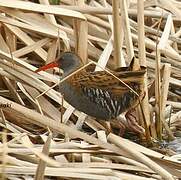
132, 123
106, 125
119, 124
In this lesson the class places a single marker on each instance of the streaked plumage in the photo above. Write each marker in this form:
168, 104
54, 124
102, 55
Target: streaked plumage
99, 94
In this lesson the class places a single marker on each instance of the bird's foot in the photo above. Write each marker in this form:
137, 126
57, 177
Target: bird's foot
120, 125
106, 125
112, 125
132, 123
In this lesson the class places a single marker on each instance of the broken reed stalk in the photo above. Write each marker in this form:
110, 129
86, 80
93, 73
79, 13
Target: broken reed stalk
40, 171
122, 35
104, 57
81, 36
158, 124
142, 60
158, 100
4, 155
158, 107
127, 30
165, 84
116, 30
175, 46
164, 93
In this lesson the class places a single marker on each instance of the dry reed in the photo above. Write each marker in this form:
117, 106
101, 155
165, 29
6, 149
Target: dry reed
38, 139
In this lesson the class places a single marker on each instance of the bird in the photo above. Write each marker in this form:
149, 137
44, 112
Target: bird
98, 93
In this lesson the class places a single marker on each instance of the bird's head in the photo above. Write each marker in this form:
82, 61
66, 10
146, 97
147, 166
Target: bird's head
67, 61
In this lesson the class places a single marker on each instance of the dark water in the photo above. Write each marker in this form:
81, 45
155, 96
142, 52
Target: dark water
176, 145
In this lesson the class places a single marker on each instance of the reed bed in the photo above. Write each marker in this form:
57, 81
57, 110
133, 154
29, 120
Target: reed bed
41, 135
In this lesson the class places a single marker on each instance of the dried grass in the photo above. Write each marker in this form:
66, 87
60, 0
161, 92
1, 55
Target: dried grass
39, 137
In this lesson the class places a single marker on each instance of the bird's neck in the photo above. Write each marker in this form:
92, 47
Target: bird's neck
71, 69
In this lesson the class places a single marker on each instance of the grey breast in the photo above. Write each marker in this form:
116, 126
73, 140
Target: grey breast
83, 103
96, 102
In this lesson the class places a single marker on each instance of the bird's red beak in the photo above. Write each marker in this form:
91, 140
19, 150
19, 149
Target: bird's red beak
48, 66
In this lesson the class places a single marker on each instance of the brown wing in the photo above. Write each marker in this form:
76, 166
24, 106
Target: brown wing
99, 80
107, 91
106, 82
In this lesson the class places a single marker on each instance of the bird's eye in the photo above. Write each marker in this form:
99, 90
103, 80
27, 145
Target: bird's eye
57, 71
